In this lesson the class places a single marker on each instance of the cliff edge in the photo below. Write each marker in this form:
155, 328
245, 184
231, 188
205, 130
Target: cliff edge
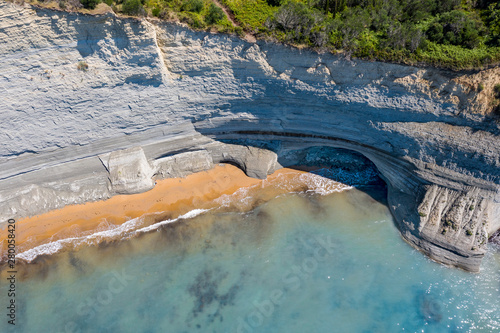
87, 98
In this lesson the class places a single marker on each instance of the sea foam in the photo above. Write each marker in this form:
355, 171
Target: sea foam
123, 231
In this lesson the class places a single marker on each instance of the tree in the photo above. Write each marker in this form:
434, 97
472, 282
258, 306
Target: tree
132, 7
331, 6
291, 16
354, 21
195, 6
90, 4
456, 28
301, 23
215, 14
274, 3
493, 22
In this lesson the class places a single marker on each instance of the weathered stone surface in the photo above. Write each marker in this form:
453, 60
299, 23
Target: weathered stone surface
183, 164
257, 163
124, 165
129, 171
425, 129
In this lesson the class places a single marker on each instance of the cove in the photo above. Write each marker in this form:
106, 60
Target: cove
299, 262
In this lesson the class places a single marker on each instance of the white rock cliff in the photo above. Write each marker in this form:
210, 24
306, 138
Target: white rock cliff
69, 135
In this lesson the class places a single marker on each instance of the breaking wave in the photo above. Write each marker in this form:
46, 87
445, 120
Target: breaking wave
123, 231
319, 182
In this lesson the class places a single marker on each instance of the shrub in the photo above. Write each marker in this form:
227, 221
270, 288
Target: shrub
132, 7
456, 28
252, 15
156, 11
493, 22
89, 4
435, 32
331, 6
193, 20
82, 66
292, 16
496, 110
415, 11
404, 36
496, 89
480, 87
215, 14
354, 21
194, 6
301, 24
275, 3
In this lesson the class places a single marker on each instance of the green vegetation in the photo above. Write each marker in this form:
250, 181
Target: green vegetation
496, 92
422, 214
194, 6
252, 14
215, 14
456, 34
447, 33
132, 7
82, 66
89, 4
468, 232
496, 89
198, 14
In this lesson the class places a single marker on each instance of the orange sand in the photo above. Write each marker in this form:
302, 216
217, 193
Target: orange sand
174, 197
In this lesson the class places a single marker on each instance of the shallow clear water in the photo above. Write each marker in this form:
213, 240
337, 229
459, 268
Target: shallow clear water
298, 263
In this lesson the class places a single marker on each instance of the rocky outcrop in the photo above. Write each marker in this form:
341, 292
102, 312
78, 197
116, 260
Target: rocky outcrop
454, 224
51, 180
256, 162
129, 171
147, 82
183, 164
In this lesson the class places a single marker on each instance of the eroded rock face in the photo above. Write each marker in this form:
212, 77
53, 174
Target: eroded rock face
455, 220
129, 171
183, 164
424, 129
257, 163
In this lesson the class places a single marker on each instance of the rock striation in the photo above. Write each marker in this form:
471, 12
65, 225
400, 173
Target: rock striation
159, 100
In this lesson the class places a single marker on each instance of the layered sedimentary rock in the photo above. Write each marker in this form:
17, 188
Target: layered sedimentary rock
98, 105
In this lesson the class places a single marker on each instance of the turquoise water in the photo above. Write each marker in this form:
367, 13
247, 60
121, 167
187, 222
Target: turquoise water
298, 263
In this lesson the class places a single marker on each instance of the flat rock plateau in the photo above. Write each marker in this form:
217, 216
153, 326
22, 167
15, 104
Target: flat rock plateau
98, 105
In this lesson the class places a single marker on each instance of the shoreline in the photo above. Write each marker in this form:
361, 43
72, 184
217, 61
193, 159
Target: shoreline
224, 186
424, 129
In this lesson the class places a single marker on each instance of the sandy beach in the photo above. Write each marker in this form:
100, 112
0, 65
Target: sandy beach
224, 185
